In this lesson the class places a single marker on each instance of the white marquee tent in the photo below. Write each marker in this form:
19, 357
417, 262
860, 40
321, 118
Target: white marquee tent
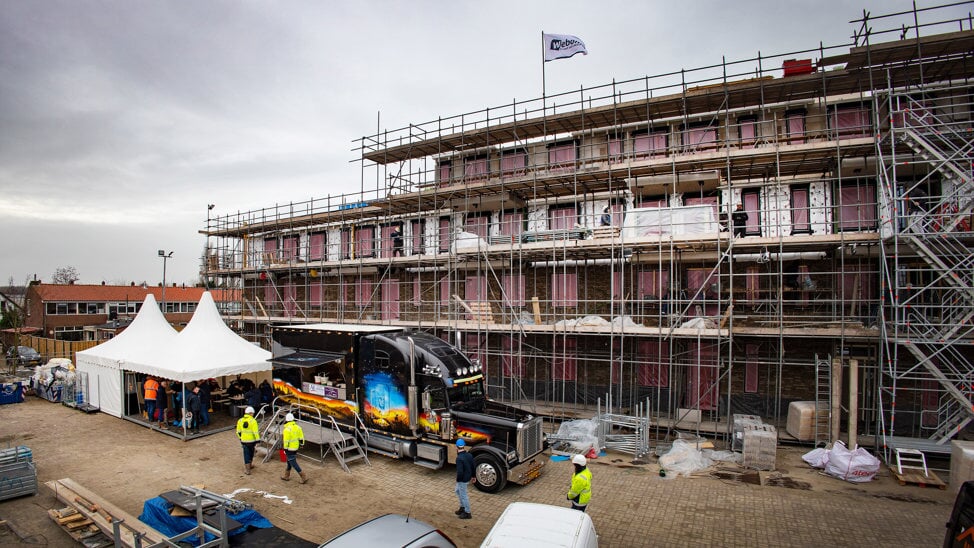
205, 348
146, 338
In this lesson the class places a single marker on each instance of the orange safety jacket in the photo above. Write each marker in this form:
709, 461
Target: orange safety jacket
151, 387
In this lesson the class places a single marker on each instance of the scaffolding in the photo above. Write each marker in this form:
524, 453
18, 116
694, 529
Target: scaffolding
588, 243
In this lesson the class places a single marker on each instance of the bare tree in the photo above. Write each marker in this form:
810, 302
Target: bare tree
65, 275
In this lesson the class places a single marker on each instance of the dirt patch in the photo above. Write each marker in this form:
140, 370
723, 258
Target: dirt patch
789, 482
903, 498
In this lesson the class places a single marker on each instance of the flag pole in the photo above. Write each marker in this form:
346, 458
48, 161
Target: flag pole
543, 90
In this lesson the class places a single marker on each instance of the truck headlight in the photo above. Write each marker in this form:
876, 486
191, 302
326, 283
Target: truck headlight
511, 456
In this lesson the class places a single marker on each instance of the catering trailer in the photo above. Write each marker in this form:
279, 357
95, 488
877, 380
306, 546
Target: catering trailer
414, 393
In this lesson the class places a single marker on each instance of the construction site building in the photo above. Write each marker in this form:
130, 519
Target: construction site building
588, 248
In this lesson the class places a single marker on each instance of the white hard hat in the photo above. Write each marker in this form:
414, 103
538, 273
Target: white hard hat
249, 410
289, 417
579, 460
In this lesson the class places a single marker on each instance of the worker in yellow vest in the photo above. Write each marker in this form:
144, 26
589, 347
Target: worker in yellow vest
293, 438
581, 488
249, 436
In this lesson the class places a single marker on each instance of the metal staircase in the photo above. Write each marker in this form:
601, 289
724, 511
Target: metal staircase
930, 265
270, 431
347, 446
347, 443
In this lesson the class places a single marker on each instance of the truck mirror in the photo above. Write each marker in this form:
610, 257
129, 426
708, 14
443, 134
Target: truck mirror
427, 398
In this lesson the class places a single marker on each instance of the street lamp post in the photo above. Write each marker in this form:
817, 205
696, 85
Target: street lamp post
165, 257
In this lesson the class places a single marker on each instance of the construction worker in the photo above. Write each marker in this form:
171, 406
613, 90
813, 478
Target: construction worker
249, 436
581, 488
293, 438
150, 387
465, 475
739, 218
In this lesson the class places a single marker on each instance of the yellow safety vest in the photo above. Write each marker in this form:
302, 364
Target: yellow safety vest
581, 487
293, 436
247, 429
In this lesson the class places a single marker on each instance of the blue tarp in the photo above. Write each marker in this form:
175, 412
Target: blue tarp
155, 513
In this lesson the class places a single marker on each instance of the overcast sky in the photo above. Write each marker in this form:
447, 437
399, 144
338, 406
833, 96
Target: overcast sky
120, 120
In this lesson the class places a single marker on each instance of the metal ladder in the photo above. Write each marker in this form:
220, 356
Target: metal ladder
823, 400
910, 459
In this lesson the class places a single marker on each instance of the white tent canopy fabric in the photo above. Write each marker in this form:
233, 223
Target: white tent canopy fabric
142, 341
205, 348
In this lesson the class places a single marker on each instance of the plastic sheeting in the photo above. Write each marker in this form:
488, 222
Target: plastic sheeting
591, 321
468, 241
155, 513
683, 459
580, 435
597, 321
651, 221
699, 323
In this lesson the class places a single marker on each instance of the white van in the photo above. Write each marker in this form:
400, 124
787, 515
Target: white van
530, 525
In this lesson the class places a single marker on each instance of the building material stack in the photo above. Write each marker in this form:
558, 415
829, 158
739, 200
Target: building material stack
760, 446
739, 423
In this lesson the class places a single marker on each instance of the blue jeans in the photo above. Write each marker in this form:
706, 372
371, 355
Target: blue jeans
292, 460
461, 491
248, 449
204, 415
150, 409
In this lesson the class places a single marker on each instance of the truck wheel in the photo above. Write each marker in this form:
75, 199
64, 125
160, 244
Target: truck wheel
491, 476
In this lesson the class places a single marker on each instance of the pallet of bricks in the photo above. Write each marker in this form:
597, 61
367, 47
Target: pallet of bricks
760, 446
18, 472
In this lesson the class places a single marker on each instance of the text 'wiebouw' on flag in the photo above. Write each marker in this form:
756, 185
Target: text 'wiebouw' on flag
560, 46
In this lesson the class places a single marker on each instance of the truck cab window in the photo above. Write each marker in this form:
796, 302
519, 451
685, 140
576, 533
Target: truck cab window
468, 397
437, 398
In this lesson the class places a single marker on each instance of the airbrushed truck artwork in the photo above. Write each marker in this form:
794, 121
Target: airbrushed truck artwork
414, 393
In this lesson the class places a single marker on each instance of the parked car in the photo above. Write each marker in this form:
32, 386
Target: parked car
391, 530
960, 528
530, 525
24, 355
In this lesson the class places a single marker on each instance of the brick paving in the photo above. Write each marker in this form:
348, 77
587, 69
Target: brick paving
631, 506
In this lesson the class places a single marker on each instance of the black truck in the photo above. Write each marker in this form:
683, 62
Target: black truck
415, 394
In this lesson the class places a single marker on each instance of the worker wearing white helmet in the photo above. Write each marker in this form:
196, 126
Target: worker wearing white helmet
249, 436
580, 491
292, 438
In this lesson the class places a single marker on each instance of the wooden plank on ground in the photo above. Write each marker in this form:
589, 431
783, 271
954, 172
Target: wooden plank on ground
67, 491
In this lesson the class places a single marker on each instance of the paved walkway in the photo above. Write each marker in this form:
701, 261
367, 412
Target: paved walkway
631, 507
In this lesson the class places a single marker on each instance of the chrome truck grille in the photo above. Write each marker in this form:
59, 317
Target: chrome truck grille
530, 438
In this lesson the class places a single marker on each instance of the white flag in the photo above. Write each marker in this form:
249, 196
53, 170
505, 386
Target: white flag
560, 46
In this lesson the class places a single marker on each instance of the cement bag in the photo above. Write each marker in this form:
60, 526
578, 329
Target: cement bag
817, 458
856, 466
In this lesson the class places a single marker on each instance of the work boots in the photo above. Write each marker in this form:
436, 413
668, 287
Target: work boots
247, 468
460, 511
304, 479
287, 475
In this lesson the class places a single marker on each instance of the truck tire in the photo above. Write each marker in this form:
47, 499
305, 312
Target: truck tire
491, 476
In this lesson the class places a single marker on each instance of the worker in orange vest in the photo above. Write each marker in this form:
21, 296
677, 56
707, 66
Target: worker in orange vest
150, 388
